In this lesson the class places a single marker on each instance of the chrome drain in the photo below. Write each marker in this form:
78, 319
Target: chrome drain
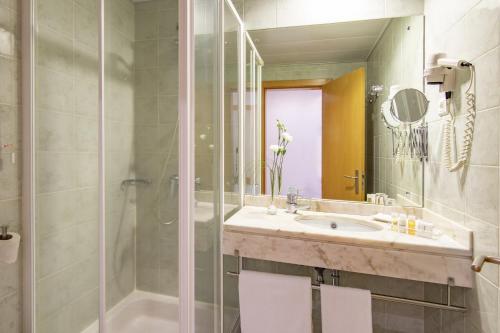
333, 225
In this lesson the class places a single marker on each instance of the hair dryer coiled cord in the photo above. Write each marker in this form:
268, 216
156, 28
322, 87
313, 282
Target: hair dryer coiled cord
449, 129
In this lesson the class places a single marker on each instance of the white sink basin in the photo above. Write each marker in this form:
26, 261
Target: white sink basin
338, 223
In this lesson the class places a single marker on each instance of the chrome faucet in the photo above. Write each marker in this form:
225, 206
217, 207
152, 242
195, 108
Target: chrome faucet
292, 201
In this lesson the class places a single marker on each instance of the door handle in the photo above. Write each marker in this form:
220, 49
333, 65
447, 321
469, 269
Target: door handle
356, 180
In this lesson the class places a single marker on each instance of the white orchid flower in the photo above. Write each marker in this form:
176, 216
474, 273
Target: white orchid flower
287, 137
274, 148
280, 125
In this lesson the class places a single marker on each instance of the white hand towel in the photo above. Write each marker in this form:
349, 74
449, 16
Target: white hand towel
275, 303
345, 310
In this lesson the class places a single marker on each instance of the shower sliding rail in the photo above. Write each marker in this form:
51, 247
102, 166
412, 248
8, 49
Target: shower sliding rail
336, 278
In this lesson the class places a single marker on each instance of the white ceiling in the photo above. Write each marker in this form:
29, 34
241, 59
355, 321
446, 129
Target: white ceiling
336, 42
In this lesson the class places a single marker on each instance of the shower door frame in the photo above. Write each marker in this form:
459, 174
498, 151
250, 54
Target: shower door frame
28, 25
256, 64
186, 165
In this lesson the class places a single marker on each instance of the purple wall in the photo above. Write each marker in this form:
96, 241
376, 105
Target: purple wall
300, 111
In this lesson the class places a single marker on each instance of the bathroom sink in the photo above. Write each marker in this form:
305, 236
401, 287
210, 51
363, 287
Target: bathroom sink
339, 223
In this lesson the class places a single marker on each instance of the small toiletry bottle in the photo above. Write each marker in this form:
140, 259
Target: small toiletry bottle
420, 227
394, 222
402, 224
412, 225
425, 229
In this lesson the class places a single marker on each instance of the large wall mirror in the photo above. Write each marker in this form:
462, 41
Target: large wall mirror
349, 94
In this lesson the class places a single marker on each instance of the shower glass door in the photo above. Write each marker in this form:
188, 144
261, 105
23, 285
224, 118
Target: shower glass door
233, 106
63, 197
141, 157
103, 165
207, 168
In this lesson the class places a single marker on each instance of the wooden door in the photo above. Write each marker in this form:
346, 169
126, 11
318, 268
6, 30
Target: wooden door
344, 137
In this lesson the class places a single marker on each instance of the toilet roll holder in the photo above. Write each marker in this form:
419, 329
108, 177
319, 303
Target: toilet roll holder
335, 274
4, 235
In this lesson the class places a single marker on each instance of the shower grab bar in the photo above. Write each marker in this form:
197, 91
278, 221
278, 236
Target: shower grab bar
479, 261
393, 299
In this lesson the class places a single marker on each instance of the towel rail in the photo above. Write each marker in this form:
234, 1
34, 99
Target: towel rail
479, 261
448, 306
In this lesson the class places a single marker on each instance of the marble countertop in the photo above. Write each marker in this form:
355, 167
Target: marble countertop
255, 220
204, 211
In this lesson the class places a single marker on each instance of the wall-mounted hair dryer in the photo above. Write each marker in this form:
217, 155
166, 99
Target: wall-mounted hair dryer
440, 70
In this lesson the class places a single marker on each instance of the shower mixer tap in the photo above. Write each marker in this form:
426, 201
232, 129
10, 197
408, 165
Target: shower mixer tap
174, 184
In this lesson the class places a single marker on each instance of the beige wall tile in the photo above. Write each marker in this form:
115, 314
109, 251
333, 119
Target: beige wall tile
56, 171
10, 178
147, 25
146, 54
10, 310
55, 50
57, 14
404, 318
59, 250
54, 91
10, 126
86, 27
9, 280
168, 26
485, 146
488, 79
8, 86
56, 131
483, 306
10, 173
54, 293
482, 193
168, 52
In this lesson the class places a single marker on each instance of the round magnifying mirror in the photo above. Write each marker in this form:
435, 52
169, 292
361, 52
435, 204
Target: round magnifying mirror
409, 105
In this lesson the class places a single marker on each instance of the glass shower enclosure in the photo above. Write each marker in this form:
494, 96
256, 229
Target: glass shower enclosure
123, 184
252, 119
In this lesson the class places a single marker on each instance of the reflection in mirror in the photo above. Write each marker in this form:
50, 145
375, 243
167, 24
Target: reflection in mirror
249, 121
231, 108
327, 84
409, 105
252, 116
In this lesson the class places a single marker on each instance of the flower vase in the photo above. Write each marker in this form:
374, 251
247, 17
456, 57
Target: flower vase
271, 209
